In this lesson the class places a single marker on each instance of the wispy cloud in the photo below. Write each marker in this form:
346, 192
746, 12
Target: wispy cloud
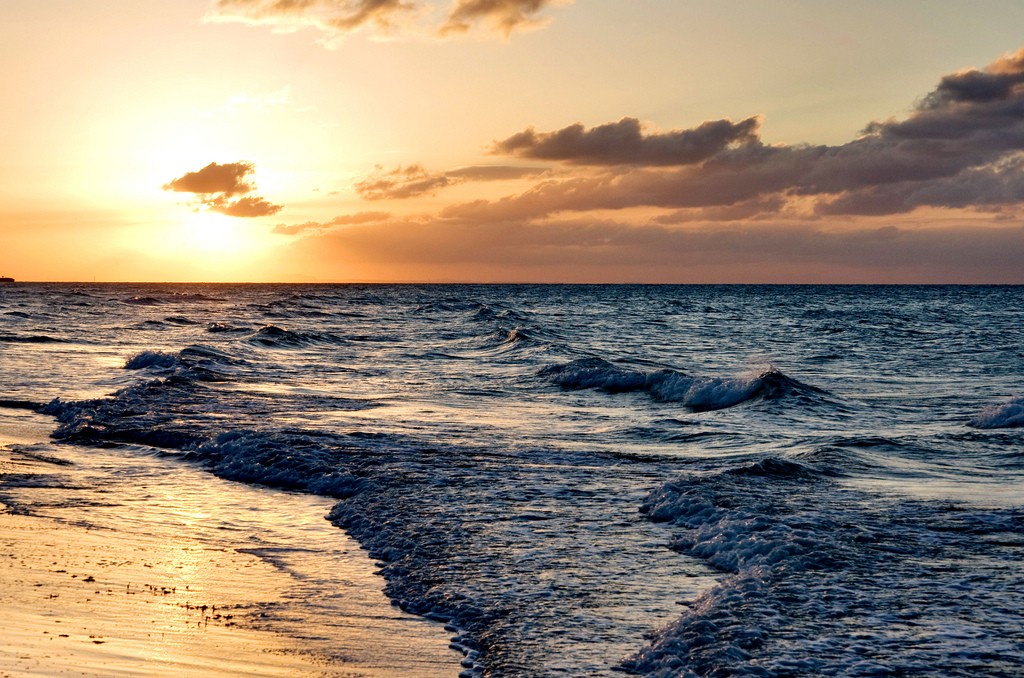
259, 102
321, 226
223, 188
337, 18
414, 180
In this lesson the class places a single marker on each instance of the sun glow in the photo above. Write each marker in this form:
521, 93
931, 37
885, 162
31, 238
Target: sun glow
212, 233
202, 245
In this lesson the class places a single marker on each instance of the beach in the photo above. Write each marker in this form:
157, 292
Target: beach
717, 480
157, 574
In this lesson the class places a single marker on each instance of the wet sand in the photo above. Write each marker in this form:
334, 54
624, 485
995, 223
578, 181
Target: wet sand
153, 568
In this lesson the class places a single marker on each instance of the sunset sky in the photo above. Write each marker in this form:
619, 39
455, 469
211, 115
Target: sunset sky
512, 140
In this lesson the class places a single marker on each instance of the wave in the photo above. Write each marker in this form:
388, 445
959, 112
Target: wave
142, 301
1009, 414
665, 385
216, 328
485, 312
504, 340
380, 477
515, 336
137, 414
197, 363
15, 404
30, 339
170, 297
806, 558
404, 501
145, 359
273, 336
450, 304
194, 296
180, 320
291, 461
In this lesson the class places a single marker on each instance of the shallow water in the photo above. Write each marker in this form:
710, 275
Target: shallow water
765, 480
121, 562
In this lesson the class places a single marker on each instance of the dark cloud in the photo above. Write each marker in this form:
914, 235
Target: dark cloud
217, 188
973, 86
504, 15
414, 180
624, 143
320, 226
986, 187
345, 16
955, 149
226, 179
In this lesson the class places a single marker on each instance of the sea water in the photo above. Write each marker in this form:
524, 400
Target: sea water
575, 480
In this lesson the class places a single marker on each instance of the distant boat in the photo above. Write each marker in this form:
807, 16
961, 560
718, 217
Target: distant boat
2, 280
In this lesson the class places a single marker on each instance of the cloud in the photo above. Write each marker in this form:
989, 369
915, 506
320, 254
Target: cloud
321, 226
996, 82
503, 15
340, 15
956, 149
992, 186
225, 179
251, 206
216, 187
401, 183
715, 202
741, 211
588, 250
624, 143
415, 180
337, 18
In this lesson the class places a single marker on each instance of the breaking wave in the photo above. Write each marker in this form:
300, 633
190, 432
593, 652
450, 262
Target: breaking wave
696, 392
145, 359
807, 559
1004, 415
198, 363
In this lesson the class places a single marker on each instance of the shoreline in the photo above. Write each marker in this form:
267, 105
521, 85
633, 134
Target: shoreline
160, 569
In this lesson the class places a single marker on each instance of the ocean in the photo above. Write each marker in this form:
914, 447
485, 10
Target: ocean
590, 480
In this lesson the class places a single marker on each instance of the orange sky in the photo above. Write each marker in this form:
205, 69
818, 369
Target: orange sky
518, 140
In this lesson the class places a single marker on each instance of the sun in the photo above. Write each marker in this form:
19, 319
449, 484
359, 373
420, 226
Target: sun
213, 233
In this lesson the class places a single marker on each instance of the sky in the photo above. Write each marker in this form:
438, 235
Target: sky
650, 141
